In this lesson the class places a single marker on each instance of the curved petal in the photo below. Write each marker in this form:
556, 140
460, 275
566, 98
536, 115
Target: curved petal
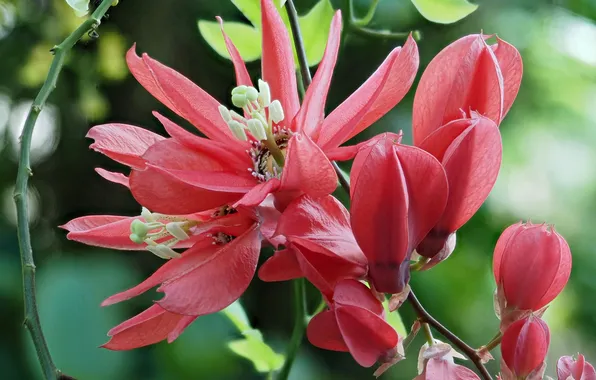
180, 95
282, 266
439, 141
511, 65
441, 368
242, 76
307, 169
524, 345
122, 143
220, 181
381, 92
216, 282
463, 77
323, 332
277, 60
562, 276
368, 336
355, 293
149, 327
500, 247
118, 178
311, 113
258, 193
108, 231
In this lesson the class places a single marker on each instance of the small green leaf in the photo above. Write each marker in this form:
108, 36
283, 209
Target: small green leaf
246, 38
81, 7
251, 9
260, 354
444, 11
394, 319
315, 29
235, 313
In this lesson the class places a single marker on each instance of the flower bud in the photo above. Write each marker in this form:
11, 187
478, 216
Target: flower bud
523, 348
531, 265
570, 369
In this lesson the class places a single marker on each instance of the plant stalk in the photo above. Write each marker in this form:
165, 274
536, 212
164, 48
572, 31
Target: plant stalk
300, 322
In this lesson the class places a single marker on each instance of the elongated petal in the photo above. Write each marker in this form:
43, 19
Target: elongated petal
166, 194
312, 111
355, 293
440, 140
233, 154
123, 143
307, 169
502, 243
524, 345
379, 215
106, 231
220, 181
242, 76
381, 92
277, 60
216, 282
323, 332
368, 336
180, 95
464, 76
440, 368
118, 178
282, 266
511, 65
258, 193
149, 327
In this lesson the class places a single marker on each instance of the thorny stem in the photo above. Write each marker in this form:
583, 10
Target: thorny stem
300, 322
32, 322
306, 77
471, 353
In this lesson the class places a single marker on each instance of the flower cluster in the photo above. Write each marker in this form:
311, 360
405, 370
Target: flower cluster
263, 175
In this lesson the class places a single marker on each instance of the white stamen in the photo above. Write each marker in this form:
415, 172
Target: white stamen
238, 130
276, 111
252, 94
225, 113
176, 230
163, 251
264, 93
147, 215
257, 129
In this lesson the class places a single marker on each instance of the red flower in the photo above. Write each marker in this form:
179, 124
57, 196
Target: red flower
463, 95
531, 265
355, 323
319, 245
523, 348
436, 363
276, 146
570, 369
398, 194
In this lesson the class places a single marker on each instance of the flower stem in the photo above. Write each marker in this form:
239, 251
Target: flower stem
494, 342
428, 334
32, 322
306, 77
300, 319
471, 353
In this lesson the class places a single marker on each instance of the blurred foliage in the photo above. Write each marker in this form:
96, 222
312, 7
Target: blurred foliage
444, 11
548, 174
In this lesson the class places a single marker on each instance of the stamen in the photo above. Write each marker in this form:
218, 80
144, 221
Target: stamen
238, 130
264, 93
225, 113
276, 111
257, 129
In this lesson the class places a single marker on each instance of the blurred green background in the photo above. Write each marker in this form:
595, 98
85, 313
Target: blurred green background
548, 174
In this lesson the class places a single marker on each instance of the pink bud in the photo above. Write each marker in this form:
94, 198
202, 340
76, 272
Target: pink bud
524, 347
570, 369
531, 264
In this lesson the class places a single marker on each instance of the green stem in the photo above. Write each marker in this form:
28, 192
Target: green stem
32, 322
494, 342
385, 34
277, 154
364, 21
428, 334
299, 328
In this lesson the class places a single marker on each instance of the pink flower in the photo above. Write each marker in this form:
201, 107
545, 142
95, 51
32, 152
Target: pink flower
355, 323
436, 363
319, 245
571, 369
275, 146
398, 194
531, 265
523, 348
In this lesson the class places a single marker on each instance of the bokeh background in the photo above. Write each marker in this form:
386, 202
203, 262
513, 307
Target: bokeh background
548, 174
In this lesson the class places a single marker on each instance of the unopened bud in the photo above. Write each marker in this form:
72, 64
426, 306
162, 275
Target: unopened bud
238, 130
257, 129
264, 93
276, 111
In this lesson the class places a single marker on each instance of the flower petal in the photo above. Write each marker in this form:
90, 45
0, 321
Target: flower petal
122, 143
149, 327
180, 95
500, 248
307, 169
118, 178
242, 76
220, 181
463, 77
258, 193
277, 60
524, 345
312, 111
355, 293
217, 281
323, 332
511, 65
381, 92
282, 266
108, 231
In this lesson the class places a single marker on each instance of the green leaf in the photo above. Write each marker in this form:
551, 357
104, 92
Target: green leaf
252, 347
394, 319
246, 38
444, 11
81, 7
315, 29
260, 354
251, 9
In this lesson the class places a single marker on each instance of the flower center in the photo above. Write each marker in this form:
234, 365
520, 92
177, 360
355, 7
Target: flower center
161, 232
261, 125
